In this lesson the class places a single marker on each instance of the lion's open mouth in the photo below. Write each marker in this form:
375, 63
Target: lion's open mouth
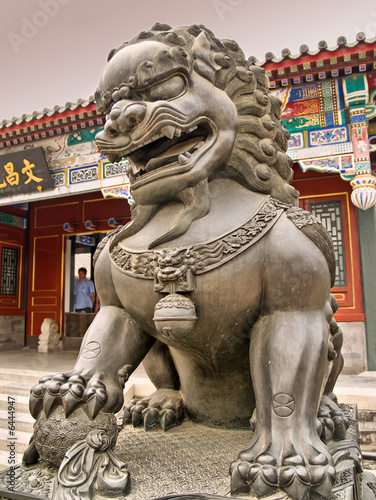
173, 146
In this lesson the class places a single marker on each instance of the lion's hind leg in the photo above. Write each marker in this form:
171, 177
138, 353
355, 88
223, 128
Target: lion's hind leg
164, 407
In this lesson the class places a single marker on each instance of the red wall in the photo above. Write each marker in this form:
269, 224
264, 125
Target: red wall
46, 248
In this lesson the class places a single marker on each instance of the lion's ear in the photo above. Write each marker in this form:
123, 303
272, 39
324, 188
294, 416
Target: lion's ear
202, 64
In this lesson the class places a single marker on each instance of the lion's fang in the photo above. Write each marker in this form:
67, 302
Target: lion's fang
183, 158
168, 131
199, 145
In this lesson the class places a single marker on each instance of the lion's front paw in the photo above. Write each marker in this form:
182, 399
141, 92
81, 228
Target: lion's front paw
296, 462
164, 407
92, 391
334, 423
297, 480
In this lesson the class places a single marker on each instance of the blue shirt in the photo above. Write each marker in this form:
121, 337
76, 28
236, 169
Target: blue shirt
83, 290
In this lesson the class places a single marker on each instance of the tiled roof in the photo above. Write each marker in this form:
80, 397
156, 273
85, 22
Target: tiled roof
48, 113
304, 50
84, 109
49, 122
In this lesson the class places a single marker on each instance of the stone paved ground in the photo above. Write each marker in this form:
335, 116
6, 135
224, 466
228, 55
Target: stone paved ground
188, 459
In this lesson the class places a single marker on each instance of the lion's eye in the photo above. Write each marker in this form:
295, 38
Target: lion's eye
166, 90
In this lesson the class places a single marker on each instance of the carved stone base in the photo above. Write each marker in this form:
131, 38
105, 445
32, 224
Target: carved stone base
193, 460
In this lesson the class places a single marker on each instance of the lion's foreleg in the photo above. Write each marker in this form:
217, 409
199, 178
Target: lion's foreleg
165, 406
288, 356
112, 348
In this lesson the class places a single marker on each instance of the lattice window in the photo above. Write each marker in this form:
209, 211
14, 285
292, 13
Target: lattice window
9, 260
330, 214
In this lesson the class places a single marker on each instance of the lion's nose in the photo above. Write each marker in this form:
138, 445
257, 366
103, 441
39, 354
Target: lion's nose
124, 120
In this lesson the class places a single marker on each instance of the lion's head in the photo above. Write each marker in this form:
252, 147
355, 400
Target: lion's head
185, 107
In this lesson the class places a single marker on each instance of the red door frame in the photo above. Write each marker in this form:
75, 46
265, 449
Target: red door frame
47, 248
315, 186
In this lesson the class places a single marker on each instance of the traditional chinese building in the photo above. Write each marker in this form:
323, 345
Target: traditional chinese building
55, 207
329, 107
59, 195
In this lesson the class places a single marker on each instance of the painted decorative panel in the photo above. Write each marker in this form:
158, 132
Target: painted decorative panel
318, 120
115, 169
296, 141
328, 136
118, 192
83, 174
342, 164
59, 178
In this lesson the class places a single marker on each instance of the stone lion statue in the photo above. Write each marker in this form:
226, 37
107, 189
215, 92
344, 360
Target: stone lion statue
220, 284
49, 338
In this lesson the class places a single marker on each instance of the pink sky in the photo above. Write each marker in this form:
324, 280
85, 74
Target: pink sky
53, 51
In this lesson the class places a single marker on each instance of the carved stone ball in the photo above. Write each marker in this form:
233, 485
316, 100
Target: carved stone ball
53, 436
175, 316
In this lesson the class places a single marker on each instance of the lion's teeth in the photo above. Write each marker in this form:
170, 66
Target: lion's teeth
192, 128
183, 158
168, 131
199, 145
177, 132
135, 169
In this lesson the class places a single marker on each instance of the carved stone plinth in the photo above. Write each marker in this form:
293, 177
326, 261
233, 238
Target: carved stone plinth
193, 460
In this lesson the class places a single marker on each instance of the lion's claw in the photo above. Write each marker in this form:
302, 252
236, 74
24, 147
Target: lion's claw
333, 421
299, 466
36, 400
168, 419
150, 417
71, 397
137, 415
164, 408
70, 391
50, 400
297, 481
95, 397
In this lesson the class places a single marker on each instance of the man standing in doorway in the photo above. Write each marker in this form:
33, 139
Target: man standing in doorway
84, 293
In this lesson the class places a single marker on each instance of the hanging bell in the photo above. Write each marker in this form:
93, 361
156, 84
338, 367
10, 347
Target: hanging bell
174, 316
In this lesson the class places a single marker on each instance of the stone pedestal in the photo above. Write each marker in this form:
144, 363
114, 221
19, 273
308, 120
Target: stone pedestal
193, 459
